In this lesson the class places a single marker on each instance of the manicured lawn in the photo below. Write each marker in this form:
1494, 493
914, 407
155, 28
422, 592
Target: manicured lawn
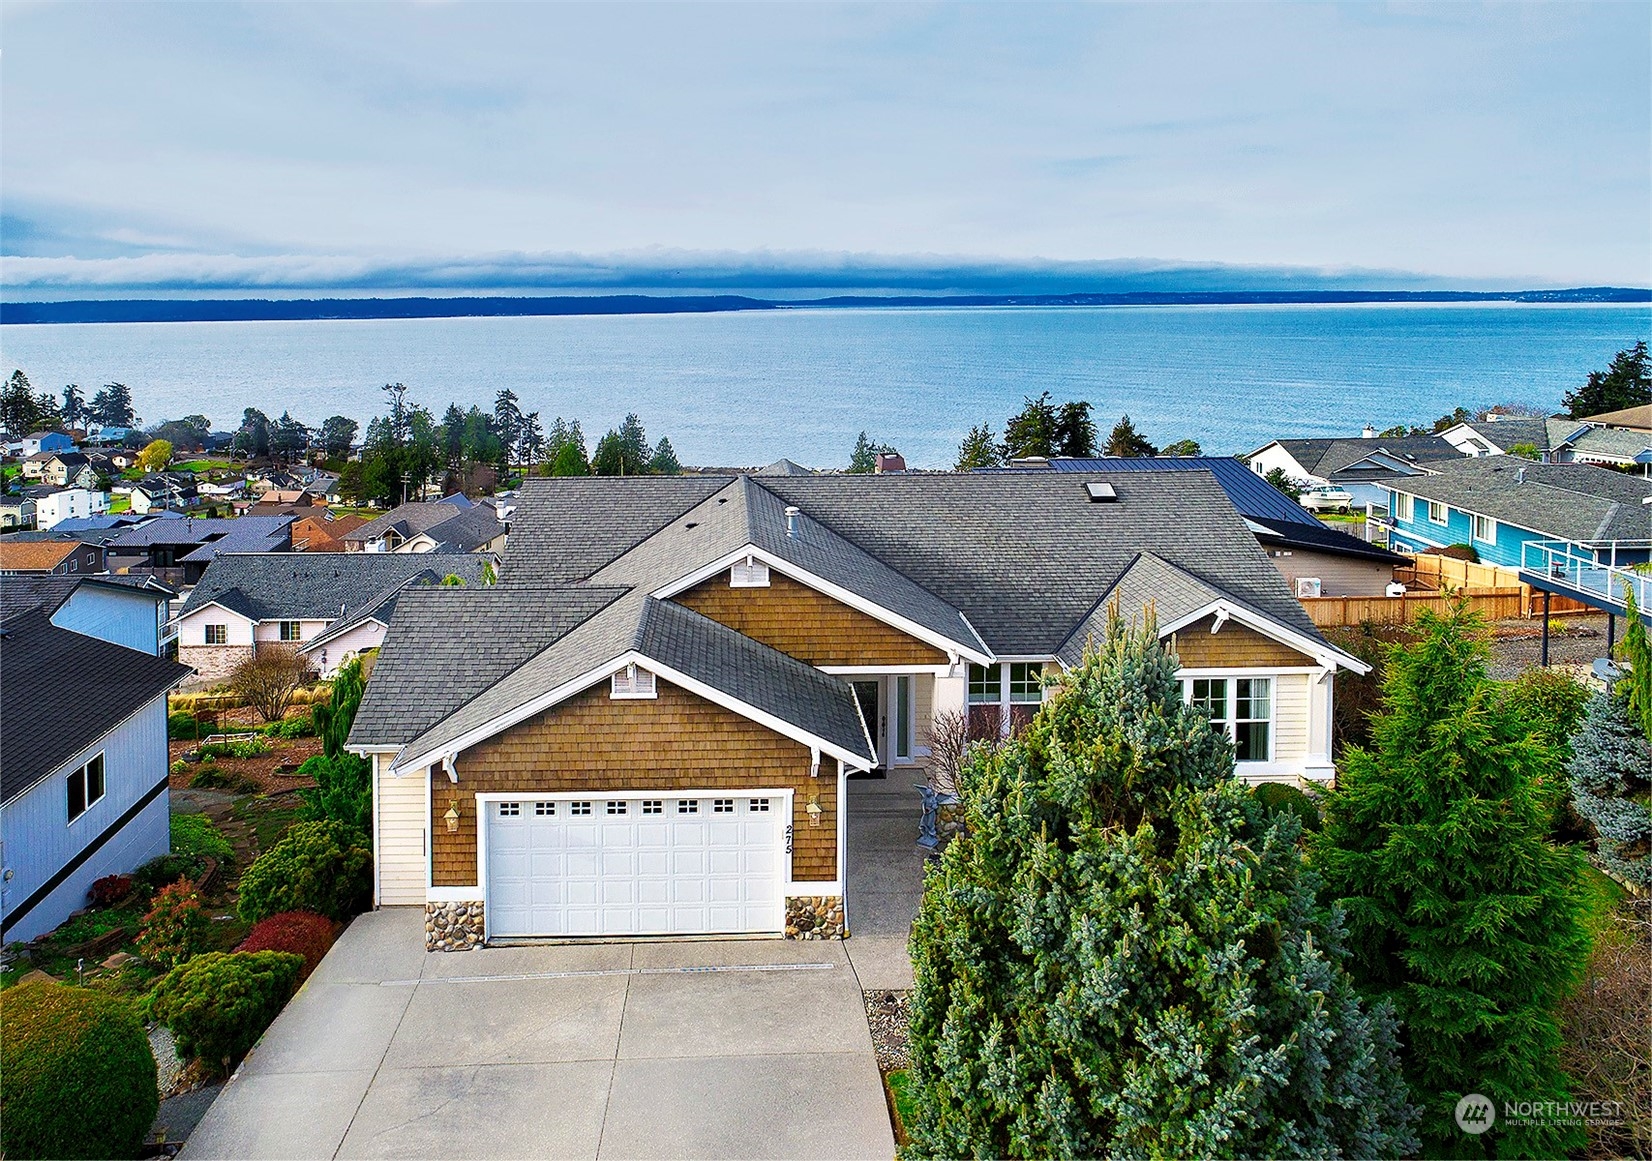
205, 466
120, 503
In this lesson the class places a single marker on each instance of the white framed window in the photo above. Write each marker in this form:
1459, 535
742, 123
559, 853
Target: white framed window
1484, 529
1241, 707
85, 788
748, 574
1026, 682
1437, 512
291, 631
1403, 509
632, 682
985, 686
217, 635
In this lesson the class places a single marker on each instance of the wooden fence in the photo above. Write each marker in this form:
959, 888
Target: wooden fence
1430, 571
1495, 604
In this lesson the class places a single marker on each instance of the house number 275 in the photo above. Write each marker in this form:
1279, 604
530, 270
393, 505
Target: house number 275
788, 838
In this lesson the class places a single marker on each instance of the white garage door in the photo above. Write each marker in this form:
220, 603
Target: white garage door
635, 865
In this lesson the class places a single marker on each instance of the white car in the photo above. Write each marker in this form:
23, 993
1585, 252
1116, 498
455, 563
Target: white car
1326, 499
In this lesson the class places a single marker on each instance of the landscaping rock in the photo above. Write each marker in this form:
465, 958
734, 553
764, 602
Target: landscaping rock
888, 1015
117, 961
39, 976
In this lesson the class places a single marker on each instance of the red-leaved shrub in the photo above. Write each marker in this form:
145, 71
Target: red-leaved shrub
110, 889
176, 927
300, 932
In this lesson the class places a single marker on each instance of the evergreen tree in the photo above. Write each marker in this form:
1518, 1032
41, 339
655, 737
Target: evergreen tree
1625, 383
338, 433
530, 441
288, 438
453, 438
112, 407
624, 451
1125, 440
570, 461
665, 461
979, 449
1123, 955
1075, 431
863, 461
1459, 909
1637, 651
1611, 786
1032, 430
507, 423
1183, 447
74, 405
253, 437
21, 410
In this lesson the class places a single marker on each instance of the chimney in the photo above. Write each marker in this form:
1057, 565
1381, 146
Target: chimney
1369, 432
890, 462
791, 521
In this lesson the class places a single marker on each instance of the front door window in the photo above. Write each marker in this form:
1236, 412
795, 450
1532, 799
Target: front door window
903, 719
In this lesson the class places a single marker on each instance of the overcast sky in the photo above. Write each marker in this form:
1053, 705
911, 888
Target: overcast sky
430, 145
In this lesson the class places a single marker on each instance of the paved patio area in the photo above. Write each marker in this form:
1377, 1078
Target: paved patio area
886, 871
727, 1048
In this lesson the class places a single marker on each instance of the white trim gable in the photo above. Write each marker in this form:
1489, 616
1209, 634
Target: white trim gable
974, 651
604, 672
1326, 655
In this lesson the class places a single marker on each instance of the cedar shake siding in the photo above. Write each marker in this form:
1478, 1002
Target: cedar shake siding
676, 741
806, 624
1235, 647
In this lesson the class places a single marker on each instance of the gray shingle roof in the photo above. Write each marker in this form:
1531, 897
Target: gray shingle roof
567, 529
44, 591
455, 527
1325, 457
323, 586
213, 536
1563, 501
61, 691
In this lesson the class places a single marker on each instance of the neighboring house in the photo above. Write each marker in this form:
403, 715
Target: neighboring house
1362, 467
1611, 439
16, 511
316, 531
113, 435
221, 489
107, 607
646, 727
1500, 504
47, 442
1628, 419
60, 557
70, 470
112, 462
178, 549
70, 504
34, 466
83, 791
451, 524
1317, 559
328, 606
169, 490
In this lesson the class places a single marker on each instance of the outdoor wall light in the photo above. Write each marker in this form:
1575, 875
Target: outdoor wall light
452, 816
813, 810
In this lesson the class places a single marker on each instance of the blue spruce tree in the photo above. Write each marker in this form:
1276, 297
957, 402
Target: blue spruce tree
1611, 777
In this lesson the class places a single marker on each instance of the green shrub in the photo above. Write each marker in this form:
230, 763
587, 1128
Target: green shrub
196, 834
176, 927
323, 867
182, 726
334, 717
209, 777
77, 1078
160, 871
1279, 797
343, 791
241, 748
294, 727
218, 1004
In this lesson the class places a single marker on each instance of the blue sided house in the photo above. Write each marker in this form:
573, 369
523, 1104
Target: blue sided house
1516, 513
83, 788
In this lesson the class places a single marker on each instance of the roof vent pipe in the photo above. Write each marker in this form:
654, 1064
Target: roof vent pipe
791, 521
1520, 476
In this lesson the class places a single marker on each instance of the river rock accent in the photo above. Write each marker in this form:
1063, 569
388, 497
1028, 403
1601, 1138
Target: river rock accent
815, 917
452, 926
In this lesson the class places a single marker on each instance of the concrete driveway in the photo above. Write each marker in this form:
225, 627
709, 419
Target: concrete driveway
728, 1048
886, 878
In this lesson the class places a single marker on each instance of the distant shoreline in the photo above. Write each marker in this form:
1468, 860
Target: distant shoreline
319, 309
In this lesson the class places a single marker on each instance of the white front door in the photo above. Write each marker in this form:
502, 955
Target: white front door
635, 864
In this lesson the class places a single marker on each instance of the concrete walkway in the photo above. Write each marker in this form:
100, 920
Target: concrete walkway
886, 877
728, 1048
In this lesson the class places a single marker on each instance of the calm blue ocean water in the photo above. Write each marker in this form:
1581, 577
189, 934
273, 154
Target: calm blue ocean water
748, 388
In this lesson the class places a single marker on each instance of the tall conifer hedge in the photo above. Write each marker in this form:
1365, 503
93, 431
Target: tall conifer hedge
1125, 955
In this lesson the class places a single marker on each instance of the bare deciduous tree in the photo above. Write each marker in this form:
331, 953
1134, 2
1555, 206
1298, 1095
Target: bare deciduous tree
268, 678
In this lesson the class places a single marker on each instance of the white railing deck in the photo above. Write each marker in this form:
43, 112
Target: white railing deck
1604, 569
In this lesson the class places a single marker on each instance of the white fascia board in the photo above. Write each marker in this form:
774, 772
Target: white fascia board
1327, 655
182, 617
976, 652
591, 677
878, 670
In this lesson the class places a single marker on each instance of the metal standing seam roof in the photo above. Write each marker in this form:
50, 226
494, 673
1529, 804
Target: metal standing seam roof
1564, 501
61, 691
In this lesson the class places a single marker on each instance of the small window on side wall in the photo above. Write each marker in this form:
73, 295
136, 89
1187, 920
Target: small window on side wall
217, 635
85, 787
